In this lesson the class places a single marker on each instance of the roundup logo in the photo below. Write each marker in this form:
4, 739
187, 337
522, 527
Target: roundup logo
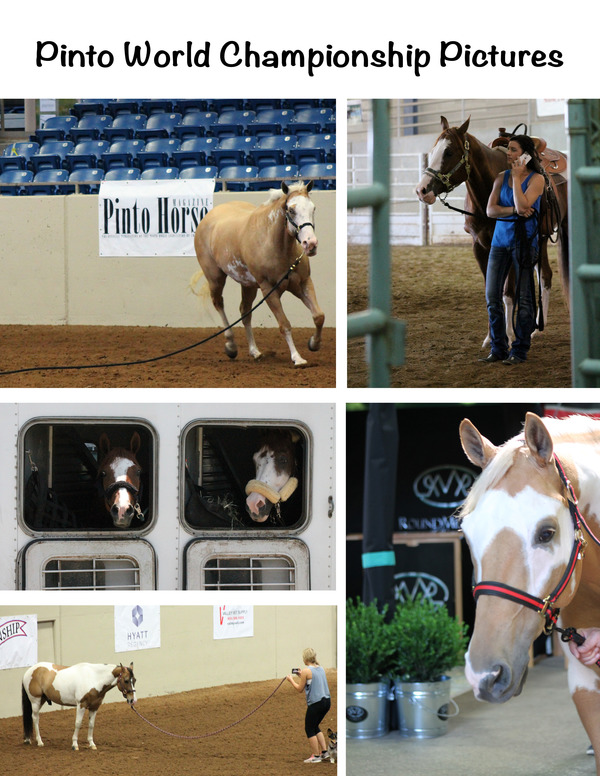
445, 487
411, 584
11, 630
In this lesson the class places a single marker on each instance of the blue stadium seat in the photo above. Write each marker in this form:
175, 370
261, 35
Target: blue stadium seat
122, 153
87, 154
13, 162
233, 122
199, 171
51, 155
238, 171
156, 106
189, 106
193, 124
117, 107
271, 122
281, 172
88, 108
90, 128
159, 125
301, 104
125, 126
197, 151
314, 171
122, 174
225, 104
55, 128
309, 121
160, 173
22, 149
235, 151
88, 180
314, 149
261, 103
274, 149
46, 180
16, 177
158, 153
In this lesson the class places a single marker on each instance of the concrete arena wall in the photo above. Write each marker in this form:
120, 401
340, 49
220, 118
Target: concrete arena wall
53, 275
188, 657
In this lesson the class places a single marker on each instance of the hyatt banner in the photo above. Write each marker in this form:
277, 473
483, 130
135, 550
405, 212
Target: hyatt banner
153, 217
137, 627
18, 641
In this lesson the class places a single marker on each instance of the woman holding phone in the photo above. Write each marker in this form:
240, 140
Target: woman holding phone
515, 204
313, 681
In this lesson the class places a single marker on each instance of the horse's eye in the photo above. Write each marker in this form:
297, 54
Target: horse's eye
282, 459
139, 472
103, 474
545, 535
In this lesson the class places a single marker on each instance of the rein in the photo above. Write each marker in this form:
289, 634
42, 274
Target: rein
546, 607
214, 732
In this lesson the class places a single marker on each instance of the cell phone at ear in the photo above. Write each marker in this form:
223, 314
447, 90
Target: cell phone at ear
524, 158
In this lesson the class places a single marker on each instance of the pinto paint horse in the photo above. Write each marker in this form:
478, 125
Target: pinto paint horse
256, 246
119, 474
274, 482
83, 685
458, 157
531, 520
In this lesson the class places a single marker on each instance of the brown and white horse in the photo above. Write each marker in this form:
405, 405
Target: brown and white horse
527, 520
274, 482
459, 157
119, 473
83, 685
256, 246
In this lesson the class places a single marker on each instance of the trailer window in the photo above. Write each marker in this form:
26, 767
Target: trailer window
62, 488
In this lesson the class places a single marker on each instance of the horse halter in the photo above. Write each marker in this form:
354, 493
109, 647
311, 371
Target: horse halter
546, 607
297, 229
110, 491
444, 177
121, 686
274, 496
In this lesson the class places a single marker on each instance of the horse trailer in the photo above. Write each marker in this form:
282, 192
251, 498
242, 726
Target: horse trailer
190, 528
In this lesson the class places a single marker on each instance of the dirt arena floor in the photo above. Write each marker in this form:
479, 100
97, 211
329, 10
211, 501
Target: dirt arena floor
271, 741
439, 293
205, 366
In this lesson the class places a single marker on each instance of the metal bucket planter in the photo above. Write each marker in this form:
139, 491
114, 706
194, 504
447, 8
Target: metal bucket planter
424, 708
367, 710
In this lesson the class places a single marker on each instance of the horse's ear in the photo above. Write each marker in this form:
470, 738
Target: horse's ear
465, 126
309, 186
478, 449
104, 444
284, 187
538, 440
135, 443
444, 121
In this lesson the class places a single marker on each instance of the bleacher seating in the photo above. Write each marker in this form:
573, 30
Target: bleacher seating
87, 179
259, 137
160, 173
14, 177
45, 181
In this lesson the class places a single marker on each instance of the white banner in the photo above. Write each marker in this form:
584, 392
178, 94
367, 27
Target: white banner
18, 641
151, 218
233, 622
137, 627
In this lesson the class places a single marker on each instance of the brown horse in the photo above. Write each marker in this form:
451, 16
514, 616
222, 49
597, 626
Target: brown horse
256, 246
531, 521
274, 482
119, 473
458, 157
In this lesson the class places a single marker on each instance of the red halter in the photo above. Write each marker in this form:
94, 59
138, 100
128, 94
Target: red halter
545, 607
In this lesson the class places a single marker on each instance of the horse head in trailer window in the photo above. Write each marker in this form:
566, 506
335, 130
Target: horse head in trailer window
119, 476
274, 481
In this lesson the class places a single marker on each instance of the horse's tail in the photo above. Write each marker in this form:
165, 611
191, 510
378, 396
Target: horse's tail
196, 279
27, 714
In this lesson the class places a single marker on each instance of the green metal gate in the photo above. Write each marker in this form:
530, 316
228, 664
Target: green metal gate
384, 335
584, 240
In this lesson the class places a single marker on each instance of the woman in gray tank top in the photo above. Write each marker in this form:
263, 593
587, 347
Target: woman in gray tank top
313, 681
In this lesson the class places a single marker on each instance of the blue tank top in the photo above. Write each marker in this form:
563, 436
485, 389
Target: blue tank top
504, 231
317, 687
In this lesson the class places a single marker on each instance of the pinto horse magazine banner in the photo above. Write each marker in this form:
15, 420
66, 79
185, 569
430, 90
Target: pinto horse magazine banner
18, 641
233, 622
137, 627
152, 218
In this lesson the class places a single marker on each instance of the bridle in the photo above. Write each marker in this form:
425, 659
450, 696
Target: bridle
297, 227
110, 491
274, 496
546, 607
444, 177
121, 686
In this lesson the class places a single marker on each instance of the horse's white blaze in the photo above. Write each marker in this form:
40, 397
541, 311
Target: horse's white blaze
475, 678
304, 211
435, 162
119, 468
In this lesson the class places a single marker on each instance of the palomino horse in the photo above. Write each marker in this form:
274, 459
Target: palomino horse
274, 482
256, 246
527, 520
119, 474
83, 685
458, 157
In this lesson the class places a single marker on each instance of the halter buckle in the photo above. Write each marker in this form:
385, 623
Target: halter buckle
582, 542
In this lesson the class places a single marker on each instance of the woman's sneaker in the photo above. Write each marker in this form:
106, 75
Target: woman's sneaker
314, 758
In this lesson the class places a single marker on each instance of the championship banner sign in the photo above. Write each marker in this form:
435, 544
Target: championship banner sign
137, 627
18, 641
233, 622
151, 218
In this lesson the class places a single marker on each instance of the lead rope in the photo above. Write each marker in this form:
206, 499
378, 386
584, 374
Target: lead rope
215, 732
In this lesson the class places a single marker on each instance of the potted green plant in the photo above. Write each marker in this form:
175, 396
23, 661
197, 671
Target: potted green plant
429, 643
369, 648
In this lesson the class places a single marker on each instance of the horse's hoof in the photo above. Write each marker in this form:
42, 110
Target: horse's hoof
231, 350
300, 362
257, 356
312, 346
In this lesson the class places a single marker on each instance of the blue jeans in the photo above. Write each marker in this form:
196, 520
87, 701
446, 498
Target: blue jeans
499, 263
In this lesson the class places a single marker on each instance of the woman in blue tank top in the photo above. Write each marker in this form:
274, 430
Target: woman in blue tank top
313, 681
515, 203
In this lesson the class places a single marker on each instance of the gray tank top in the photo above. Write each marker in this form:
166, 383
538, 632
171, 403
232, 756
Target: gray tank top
317, 687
